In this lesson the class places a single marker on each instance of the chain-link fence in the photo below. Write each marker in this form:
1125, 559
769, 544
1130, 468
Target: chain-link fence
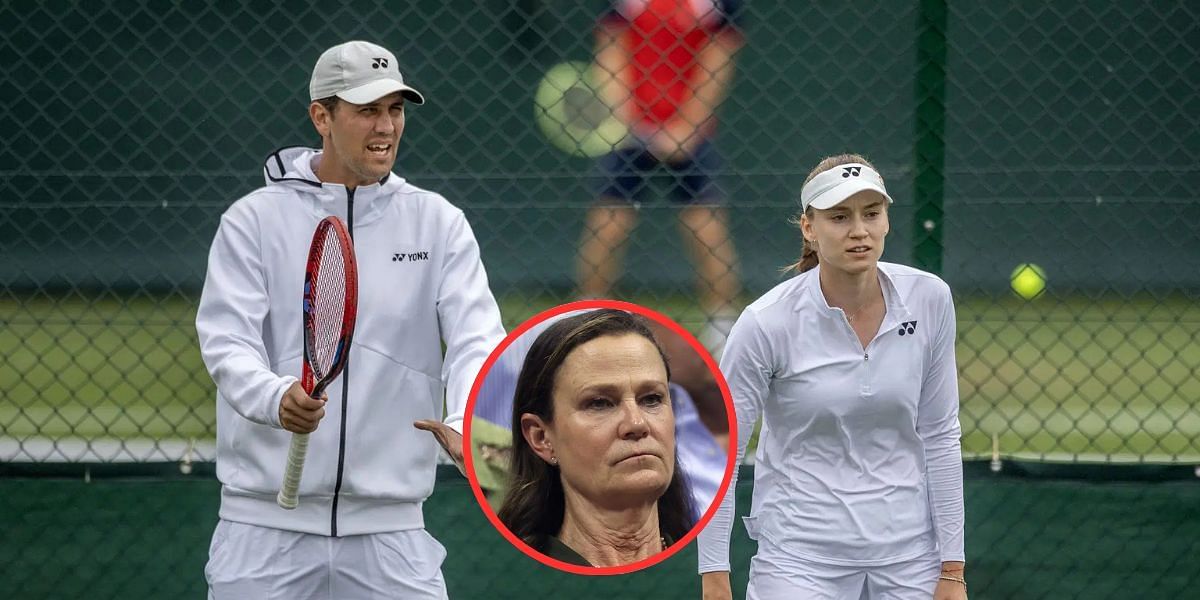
1060, 136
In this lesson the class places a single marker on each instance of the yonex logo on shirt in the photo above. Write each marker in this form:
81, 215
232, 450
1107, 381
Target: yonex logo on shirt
379, 62
908, 327
848, 171
410, 256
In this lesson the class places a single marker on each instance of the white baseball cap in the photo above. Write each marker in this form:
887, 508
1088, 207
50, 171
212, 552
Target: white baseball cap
359, 73
830, 188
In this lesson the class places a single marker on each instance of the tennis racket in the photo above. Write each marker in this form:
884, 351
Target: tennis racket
572, 115
330, 308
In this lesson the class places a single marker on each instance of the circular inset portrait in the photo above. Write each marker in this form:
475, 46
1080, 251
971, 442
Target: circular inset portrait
598, 437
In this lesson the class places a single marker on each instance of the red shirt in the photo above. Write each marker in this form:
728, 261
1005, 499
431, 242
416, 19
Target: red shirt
664, 38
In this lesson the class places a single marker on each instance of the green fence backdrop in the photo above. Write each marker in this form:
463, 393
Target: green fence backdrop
1060, 134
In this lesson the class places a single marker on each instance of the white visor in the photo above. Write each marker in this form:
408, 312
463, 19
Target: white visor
831, 188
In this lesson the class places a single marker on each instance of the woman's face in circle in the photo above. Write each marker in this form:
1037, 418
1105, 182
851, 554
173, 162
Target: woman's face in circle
613, 431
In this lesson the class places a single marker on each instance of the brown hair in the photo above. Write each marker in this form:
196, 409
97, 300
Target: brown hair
808, 253
330, 103
535, 505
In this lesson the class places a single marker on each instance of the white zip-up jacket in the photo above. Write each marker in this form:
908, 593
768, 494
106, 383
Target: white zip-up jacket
859, 460
421, 283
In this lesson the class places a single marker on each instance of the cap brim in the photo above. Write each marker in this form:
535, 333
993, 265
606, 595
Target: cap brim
370, 92
840, 193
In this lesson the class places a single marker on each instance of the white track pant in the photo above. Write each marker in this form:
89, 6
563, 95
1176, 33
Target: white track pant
773, 577
260, 563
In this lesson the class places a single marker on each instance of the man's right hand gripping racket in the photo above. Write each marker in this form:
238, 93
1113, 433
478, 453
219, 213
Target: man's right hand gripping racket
330, 308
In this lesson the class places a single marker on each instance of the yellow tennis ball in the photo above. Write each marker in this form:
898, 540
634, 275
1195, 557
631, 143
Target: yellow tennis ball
1028, 281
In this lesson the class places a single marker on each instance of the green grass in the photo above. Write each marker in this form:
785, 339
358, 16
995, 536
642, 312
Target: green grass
108, 367
1067, 377
1056, 379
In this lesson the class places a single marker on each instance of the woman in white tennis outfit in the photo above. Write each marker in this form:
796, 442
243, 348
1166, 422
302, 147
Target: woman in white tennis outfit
858, 473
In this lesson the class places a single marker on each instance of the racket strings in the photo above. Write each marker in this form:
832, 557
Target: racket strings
328, 307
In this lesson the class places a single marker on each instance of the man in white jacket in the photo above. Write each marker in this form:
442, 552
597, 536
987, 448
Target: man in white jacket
359, 530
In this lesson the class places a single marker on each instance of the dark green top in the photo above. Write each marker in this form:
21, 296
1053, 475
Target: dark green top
559, 551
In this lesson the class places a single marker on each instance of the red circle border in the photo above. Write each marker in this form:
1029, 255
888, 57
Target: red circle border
731, 454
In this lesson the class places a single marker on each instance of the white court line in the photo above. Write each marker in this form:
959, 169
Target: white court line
113, 450
105, 450
135, 450
1089, 458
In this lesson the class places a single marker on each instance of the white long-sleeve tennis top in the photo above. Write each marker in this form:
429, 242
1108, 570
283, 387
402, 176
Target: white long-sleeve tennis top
859, 460
421, 285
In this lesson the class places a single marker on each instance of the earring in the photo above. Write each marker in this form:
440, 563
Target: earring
554, 460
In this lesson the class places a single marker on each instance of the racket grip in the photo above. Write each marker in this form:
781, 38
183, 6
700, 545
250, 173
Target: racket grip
289, 493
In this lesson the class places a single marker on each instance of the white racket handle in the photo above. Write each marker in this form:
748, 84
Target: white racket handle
289, 496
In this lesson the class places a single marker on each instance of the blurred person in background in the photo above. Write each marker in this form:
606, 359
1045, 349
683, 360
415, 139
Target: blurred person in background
663, 67
858, 486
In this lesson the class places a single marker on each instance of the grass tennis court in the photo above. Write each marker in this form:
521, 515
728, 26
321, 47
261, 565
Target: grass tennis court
1087, 379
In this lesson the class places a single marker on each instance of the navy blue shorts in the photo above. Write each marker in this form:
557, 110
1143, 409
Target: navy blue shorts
623, 174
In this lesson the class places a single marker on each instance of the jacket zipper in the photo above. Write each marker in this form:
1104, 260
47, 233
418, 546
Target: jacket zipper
337, 486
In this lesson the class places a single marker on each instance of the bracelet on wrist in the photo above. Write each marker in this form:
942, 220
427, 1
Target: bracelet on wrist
953, 578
